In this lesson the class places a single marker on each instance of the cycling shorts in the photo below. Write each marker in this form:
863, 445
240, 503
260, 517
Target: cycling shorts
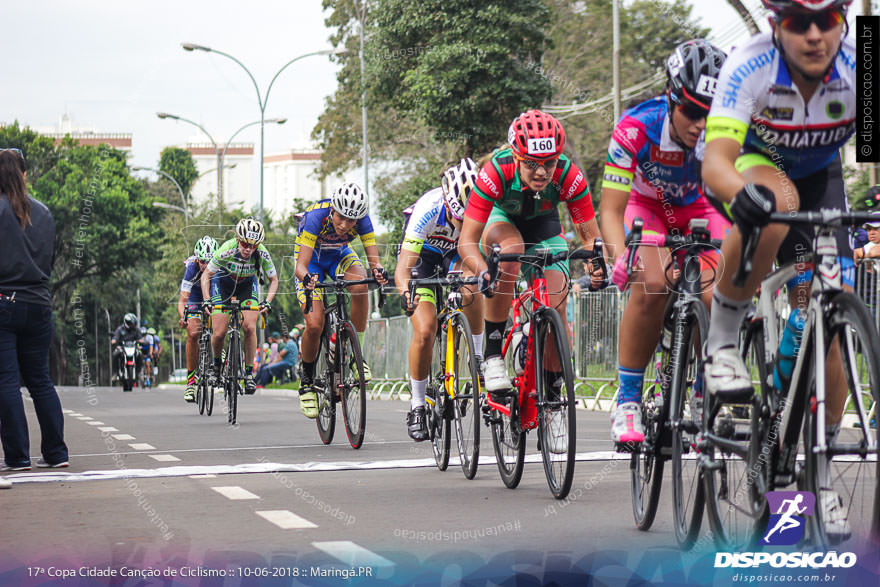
822, 189
433, 263
192, 311
223, 289
540, 232
324, 263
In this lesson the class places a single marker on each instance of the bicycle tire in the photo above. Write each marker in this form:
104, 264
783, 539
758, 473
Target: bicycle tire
201, 373
508, 437
557, 428
437, 408
736, 509
466, 395
325, 386
859, 495
233, 371
352, 386
688, 495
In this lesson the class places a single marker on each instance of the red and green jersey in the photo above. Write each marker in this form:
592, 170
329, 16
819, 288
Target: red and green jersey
499, 185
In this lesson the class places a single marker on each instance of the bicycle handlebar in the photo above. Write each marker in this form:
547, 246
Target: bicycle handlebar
823, 218
450, 280
340, 284
544, 257
699, 236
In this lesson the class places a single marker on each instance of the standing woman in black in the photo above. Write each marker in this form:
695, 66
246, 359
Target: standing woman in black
27, 238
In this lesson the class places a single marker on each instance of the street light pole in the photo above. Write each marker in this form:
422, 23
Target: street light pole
174, 181
262, 100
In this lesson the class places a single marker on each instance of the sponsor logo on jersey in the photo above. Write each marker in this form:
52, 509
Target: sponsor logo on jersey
487, 181
834, 109
623, 181
798, 138
778, 113
782, 90
671, 158
618, 155
742, 72
575, 186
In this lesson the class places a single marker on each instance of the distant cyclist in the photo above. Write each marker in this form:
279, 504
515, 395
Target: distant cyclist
145, 342
429, 246
189, 308
322, 249
653, 173
234, 271
785, 105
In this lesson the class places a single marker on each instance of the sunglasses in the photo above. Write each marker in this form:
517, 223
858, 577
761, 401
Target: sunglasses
800, 22
693, 112
14, 150
547, 164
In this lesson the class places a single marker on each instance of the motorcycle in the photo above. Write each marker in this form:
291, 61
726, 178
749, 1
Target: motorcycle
130, 359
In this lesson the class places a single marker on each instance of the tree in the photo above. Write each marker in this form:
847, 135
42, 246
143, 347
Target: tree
179, 164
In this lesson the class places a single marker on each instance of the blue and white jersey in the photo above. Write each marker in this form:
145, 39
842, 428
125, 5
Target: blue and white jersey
428, 225
192, 278
759, 106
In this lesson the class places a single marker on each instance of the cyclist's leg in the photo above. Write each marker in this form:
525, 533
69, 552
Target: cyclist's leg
725, 370
193, 332
314, 320
247, 293
350, 265
220, 292
424, 323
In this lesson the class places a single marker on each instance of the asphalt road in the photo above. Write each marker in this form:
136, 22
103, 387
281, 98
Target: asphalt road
155, 487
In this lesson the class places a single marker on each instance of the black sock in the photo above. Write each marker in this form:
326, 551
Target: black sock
494, 336
308, 373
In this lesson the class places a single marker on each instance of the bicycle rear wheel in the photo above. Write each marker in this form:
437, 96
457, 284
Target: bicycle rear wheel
688, 495
466, 394
646, 463
352, 388
556, 419
325, 388
233, 373
735, 482
848, 480
508, 437
437, 407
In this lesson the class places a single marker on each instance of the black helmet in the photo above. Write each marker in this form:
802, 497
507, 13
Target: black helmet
692, 72
130, 320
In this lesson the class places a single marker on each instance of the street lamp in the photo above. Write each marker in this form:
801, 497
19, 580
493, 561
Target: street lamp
169, 207
261, 99
179, 189
220, 154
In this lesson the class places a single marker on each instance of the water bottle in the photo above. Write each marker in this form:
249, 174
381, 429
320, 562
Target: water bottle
519, 344
791, 343
331, 348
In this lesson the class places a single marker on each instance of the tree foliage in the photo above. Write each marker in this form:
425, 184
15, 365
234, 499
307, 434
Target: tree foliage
179, 164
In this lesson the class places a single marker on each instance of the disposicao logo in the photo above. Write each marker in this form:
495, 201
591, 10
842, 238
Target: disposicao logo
787, 511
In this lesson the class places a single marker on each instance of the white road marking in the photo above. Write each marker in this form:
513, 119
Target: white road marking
108, 429
142, 446
123, 436
206, 476
285, 519
95, 423
74, 414
234, 492
353, 554
83, 418
164, 458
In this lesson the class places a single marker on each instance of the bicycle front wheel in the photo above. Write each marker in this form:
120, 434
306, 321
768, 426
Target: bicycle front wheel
233, 372
556, 405
465, 386
846, 483
352, 385
325, 386
508, 437
688, 495
437, 407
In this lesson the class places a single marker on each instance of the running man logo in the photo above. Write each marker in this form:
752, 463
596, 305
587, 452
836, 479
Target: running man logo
787, 511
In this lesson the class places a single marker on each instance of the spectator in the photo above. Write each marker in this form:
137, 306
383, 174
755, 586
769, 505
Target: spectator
287, 360
870, 250
273, 339
27, 239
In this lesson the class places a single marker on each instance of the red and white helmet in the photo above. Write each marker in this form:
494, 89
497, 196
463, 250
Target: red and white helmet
457, 182
811, 5
536, 135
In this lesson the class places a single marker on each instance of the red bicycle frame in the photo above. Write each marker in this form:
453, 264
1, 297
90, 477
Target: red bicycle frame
525, 383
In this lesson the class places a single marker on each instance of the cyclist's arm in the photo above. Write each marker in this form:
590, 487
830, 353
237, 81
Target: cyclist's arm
373, 260
207, 274
405, 262
719, 172
469, 245
273, 288
303, 258
181, 303
612, 208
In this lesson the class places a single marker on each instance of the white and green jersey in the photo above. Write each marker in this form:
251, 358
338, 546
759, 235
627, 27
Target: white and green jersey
228, 262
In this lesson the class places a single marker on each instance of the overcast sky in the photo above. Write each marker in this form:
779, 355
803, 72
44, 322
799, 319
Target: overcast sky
111, 65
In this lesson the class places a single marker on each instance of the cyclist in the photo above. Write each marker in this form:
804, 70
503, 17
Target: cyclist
653, 173
157, 349
322, 248
514, 205
429, 246
127, 331
189, 306
233, 272
145, 342
785, 105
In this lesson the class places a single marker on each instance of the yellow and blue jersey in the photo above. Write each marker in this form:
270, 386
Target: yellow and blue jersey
316, 229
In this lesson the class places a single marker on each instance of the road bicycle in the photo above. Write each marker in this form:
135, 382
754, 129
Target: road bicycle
232, 374
672, 417
205, 391
535, 346
453, 391
339, 368
768, 440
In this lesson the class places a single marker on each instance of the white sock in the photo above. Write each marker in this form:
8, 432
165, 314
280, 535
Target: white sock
478, 345
725, 321
418, 392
